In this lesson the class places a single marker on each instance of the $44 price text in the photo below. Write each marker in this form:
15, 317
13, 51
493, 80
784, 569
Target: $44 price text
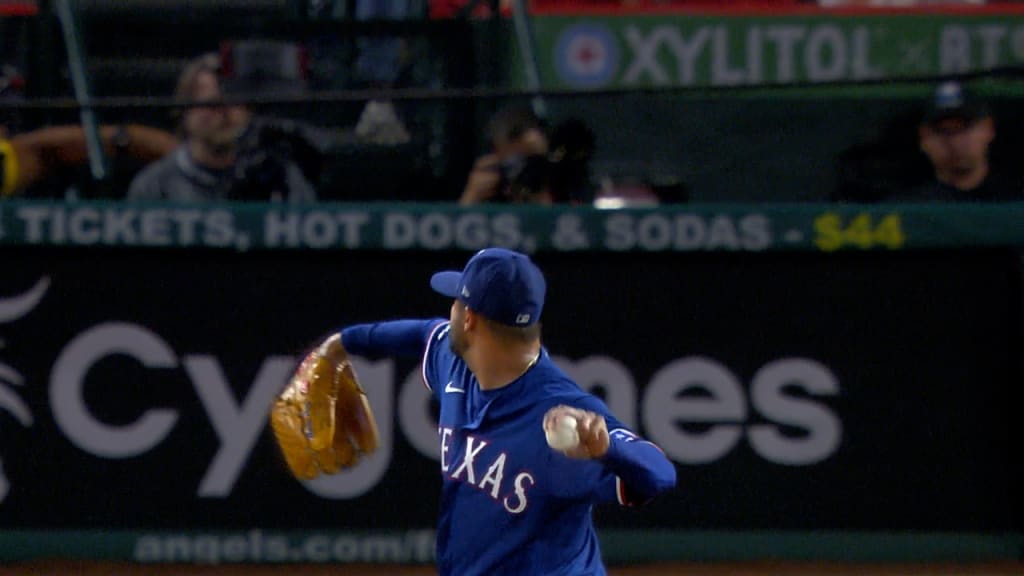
865, 231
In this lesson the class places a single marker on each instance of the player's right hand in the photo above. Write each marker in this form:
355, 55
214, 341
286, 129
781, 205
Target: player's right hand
591, 428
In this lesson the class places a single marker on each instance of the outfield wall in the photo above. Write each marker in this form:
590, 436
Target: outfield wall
831, 382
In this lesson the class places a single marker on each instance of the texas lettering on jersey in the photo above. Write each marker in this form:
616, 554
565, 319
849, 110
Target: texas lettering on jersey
474, 457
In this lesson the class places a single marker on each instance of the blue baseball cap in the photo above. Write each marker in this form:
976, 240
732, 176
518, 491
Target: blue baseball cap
954, 100
501, 284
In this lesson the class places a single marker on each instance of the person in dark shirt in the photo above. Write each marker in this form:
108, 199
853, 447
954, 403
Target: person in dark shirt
956, 134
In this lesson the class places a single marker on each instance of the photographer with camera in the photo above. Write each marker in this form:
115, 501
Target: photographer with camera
529, 166
227, 153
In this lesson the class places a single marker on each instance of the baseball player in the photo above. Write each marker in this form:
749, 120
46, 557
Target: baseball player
511, 503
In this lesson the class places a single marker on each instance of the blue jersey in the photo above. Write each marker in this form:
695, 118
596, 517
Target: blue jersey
510, 504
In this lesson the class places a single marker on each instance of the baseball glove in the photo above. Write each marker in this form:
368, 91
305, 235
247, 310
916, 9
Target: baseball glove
322, 420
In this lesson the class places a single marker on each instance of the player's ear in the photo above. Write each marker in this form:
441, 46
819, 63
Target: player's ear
471, 319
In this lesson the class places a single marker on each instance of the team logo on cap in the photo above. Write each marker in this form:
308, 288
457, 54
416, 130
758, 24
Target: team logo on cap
586, 55
949, 95
522, 319
464, 292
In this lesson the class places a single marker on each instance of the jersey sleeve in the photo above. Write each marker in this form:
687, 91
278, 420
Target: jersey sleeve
640, 467
434, 357
394, 338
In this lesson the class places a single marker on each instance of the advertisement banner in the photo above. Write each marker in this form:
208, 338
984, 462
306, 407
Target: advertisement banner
794, 391
528, 228
583, 52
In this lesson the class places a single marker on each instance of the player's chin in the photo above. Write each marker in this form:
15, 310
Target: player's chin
455, 350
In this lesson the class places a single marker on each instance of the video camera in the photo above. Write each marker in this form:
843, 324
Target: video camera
564, 172
270, 145
265, 151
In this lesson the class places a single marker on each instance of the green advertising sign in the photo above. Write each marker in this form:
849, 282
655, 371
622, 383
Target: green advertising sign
664, 50
433, 227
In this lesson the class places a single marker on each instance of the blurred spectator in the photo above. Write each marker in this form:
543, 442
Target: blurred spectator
381, 58
518, 139
29, 158
382, 61
227, 153
527, 166
955, 134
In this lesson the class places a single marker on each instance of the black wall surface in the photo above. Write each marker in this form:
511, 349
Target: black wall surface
888, 383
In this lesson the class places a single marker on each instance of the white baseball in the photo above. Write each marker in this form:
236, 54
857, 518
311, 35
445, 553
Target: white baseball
564, 436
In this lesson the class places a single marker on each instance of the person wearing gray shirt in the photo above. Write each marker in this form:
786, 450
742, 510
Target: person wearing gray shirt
212, 163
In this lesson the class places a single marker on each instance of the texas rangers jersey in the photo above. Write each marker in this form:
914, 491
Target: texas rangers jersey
509, 503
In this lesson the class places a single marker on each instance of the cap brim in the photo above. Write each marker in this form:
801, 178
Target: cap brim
936, 117
446, 283
968, 113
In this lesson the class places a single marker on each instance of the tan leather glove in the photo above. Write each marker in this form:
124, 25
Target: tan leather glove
322, 420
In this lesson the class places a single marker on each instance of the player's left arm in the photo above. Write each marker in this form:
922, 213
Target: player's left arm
391, 338
640, 466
